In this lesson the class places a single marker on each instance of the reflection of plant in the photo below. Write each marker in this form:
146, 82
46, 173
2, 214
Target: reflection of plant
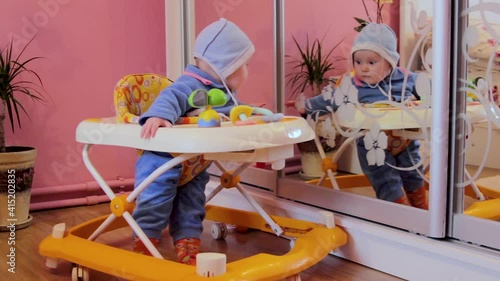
311, 67
12, 85
379, 19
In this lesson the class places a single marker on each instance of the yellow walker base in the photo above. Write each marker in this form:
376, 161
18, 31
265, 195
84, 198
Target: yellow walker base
311, 242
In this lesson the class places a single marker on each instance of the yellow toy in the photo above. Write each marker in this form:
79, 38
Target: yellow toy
310, 242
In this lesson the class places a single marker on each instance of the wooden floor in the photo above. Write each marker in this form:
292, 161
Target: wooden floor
30, 265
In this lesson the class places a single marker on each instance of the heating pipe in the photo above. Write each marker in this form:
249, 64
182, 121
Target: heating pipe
88, 200
88, 187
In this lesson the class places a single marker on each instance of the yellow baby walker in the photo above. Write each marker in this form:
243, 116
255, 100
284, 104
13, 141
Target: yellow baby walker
232, 140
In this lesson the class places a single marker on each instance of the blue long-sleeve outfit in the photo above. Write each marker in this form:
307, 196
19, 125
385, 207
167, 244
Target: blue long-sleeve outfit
172, 102
163, 202
387, 182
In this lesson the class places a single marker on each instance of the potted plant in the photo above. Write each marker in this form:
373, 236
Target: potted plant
310, 70
16, 162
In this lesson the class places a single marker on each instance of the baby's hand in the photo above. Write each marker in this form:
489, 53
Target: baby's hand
151, 126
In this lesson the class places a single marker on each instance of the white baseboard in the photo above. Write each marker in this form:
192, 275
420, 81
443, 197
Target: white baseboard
384, 248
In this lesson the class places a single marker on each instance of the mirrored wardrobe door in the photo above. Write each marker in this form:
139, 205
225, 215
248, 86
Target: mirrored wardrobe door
476, 192
380, 129
257, 19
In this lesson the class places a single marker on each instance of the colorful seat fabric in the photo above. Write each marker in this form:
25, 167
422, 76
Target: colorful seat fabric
133, 95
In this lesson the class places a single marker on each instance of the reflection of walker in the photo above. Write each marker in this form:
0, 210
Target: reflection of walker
310, 242
404, 124
401, 123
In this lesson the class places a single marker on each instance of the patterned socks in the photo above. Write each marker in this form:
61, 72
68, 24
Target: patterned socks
186, 250
418, 198
403, 200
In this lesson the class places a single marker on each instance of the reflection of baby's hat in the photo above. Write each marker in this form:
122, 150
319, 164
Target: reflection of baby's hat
379, 38
224, 47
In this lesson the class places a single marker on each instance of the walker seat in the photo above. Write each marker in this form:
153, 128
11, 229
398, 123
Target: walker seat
133, 96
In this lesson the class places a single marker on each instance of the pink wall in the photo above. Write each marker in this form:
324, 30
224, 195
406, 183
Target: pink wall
87, 47
314, 18
333, 20
255, 18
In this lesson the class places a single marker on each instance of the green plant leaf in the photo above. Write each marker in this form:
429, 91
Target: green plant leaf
310, 68
13, 83
360, 20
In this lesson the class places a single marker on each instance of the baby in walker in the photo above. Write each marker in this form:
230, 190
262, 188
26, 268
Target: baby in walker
377, 78
177, 197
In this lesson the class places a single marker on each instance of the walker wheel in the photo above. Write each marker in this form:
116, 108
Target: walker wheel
79, 273
219, 231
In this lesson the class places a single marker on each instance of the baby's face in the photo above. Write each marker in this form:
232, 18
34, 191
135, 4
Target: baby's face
237, 78
370, 67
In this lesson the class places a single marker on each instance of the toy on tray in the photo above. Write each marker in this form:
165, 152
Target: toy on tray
242, 115
203, 99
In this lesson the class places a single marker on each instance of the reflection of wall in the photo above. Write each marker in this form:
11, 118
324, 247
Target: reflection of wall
315, 18
407, 38
332, 20
256, 19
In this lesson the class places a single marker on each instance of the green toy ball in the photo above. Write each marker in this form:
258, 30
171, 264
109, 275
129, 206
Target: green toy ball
201, 98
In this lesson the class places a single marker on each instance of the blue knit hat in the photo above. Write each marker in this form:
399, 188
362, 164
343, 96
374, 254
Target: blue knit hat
223, 46
379, 38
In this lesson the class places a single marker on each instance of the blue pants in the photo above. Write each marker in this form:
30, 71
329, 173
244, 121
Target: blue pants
163, 203
388, 182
